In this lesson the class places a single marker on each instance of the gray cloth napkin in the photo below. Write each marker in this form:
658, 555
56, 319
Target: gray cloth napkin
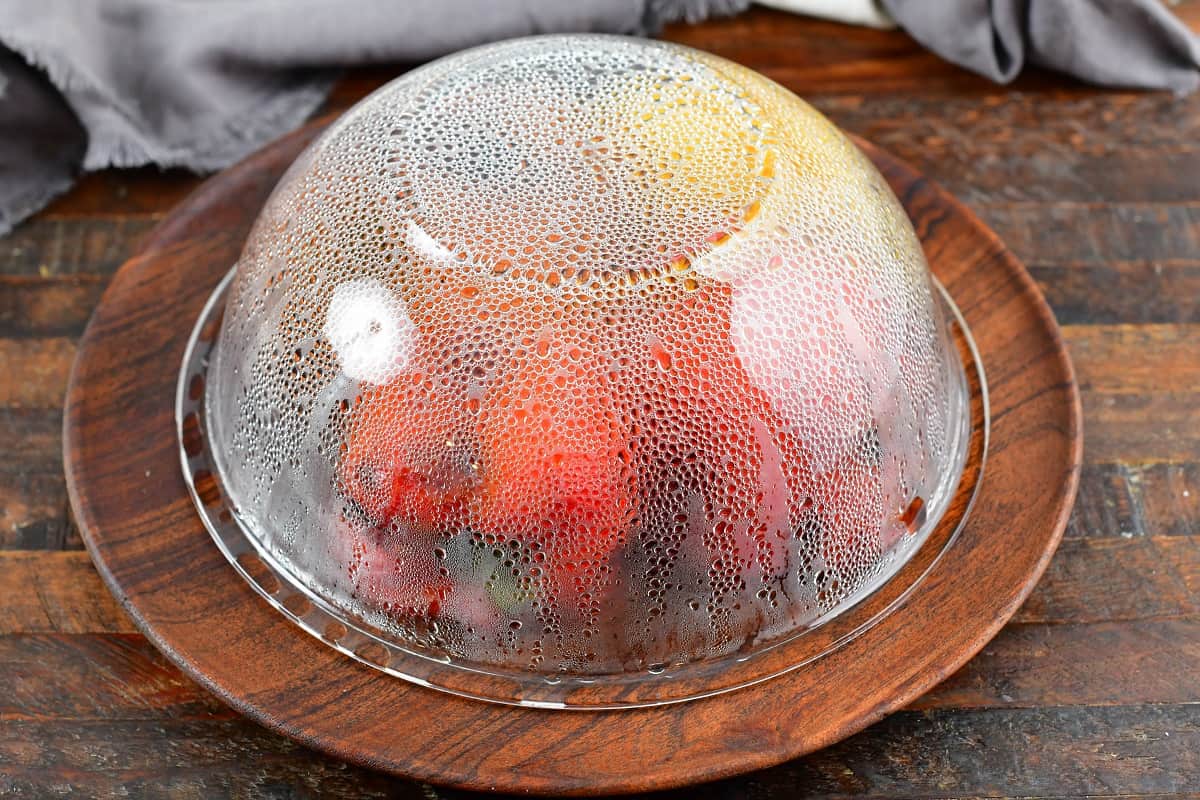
1131, 43
87, 84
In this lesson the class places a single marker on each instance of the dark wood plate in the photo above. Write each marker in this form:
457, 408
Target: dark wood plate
132, 506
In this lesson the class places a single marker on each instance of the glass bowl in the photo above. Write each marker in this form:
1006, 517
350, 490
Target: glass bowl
577, 372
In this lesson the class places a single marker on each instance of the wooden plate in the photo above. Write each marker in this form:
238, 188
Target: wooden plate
147, 541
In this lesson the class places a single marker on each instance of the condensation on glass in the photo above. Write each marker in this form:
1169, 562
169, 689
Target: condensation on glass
585, 356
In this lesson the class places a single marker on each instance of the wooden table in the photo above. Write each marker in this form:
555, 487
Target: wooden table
1093, 689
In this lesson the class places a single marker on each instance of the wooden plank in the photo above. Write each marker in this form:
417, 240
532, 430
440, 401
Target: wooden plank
1114, 501
1101, 664
33, 496
1047, 752
1089, 580
1168, 497
47, 307
984, 175
1107, 505
56, 592
1121, 292
1097, 286
1155, 426
30, 439
1038, 232
140, 192
1136, 500
1046, 146
1141, 391
812, 56
1151, 365
1125, 751
46, 246
1026, 666
1095, 290
1135, 359
33, 372
1141, 398
1184, 552
1102, 580
132, 690
1148, 362
815, 57
1086, 124
34, 513
988, 144
1096, 234
1150, 285
126, 678
170, 759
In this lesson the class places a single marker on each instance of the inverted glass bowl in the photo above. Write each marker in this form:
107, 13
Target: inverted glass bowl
576, 371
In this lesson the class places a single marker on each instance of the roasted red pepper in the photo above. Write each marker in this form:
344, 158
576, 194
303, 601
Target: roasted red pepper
556, 462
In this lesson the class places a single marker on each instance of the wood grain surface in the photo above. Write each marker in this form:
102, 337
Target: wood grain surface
1093, 687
